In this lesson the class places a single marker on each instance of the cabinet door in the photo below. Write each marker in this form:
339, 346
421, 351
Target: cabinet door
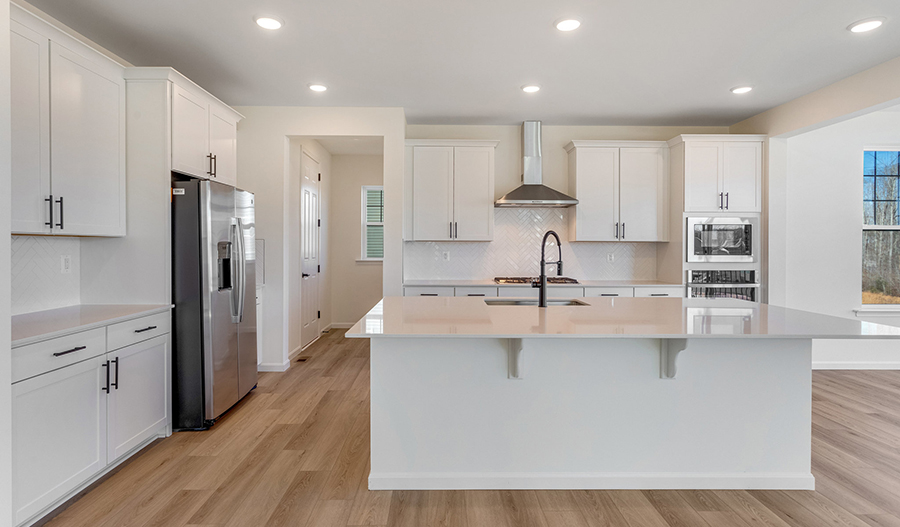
703, 172
597, 191
190, 134
473, 193
87, 132
59, 434
223, 145
138, 405
432, 192
743, 176
641, 193
30, 112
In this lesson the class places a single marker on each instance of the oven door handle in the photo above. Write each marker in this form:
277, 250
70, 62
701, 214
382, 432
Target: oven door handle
720, 286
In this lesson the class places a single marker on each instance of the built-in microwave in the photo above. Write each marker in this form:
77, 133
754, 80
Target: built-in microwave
722, 239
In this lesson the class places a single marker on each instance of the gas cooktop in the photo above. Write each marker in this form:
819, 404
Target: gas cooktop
533, 279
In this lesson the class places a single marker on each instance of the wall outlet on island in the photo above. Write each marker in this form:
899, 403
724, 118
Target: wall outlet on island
611, 257
65, 264
446, 256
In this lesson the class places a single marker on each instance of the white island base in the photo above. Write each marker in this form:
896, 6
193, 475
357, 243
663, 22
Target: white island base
467, 412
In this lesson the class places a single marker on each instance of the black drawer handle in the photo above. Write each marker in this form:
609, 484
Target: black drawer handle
145, 329
609, 294
73, 350
659, 294
428, 294
475, 294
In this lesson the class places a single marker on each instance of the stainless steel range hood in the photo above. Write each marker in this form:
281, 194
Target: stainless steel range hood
534, 193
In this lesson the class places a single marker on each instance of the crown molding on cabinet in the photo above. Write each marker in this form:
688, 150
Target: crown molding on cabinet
715, 137
613, 144
452, 142
173, 75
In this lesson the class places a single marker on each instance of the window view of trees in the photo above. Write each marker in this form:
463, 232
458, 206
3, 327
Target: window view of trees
881, 228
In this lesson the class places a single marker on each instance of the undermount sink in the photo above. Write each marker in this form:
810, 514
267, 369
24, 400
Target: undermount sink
535, 303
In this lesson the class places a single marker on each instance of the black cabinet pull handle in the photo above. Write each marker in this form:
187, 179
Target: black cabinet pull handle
623, 230
456, 230
148, 328
475, 294
726, 201
609, 294
451, 229
215, 167
617, 230
106, 365
428, 294
60, 224
73, 350
721, 201
304, 275
50, 202
209, 172
659, 294
116, 384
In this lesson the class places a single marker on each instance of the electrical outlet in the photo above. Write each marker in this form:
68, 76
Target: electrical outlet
611, 257
446, 256
65, 264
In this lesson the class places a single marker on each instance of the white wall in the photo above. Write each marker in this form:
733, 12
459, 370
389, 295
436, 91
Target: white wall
355, 286
6, 515
264, 167
38, 282
311, 147
822, 251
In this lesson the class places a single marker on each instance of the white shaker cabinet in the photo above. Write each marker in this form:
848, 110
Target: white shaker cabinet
68, 134
622, 191
138, 395
721, 173
204, 135
453, 190
59, 434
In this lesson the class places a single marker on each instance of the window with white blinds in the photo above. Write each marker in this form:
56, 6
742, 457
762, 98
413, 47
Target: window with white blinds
372, 223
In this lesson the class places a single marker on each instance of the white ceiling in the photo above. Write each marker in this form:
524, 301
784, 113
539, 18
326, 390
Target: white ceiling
352, 145
464, 61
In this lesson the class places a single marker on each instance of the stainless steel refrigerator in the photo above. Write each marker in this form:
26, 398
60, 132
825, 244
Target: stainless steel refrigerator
214, 292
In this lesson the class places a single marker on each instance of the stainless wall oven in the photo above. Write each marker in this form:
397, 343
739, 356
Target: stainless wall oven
722, 239
741, 285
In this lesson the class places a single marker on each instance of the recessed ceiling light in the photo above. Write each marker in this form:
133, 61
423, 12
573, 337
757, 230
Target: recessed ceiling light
317, 87
531, 88
268, 22
868, 24
567, 24
741, 89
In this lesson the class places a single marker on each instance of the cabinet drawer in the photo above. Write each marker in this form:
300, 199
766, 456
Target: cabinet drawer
427, 291
41, 357
137, 330
646, 292
476, 291
518, 291
608, 291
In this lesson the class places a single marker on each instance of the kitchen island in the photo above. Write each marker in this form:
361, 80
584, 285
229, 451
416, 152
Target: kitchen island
621, 393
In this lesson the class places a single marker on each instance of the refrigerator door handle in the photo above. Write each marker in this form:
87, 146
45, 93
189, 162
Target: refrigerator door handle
235, 271
243, 270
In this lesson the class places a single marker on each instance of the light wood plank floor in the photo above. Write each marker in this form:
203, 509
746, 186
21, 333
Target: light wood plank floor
295, 452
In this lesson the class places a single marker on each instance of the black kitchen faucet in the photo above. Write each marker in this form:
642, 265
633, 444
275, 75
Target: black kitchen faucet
542, 281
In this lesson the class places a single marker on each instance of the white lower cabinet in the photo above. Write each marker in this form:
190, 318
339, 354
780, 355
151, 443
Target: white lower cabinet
138, 402
590, 292
648, 292
476, 291
428, 291
59, 434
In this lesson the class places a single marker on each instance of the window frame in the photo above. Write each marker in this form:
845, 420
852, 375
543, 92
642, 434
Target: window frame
874, 308
363, 237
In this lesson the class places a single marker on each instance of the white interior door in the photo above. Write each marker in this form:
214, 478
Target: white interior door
87, 134
309, 249
30, 83
641, 180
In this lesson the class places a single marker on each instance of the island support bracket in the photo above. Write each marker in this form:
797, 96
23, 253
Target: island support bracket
668, 354
516, 357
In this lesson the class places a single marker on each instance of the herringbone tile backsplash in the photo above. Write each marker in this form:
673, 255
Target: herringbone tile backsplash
515, 251
37, 282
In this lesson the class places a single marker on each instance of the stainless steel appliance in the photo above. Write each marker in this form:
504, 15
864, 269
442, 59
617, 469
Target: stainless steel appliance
720, 239
214, 284
533, 193
741, 285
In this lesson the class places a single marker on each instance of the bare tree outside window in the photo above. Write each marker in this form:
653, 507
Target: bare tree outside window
881, 228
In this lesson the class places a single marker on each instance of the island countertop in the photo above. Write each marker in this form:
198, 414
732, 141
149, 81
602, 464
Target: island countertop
664, 318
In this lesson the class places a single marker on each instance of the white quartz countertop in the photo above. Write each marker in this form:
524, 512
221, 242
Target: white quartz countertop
34, 327
455, 317
581, 283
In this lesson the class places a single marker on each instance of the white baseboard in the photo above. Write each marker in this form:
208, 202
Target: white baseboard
859, 365
270, 367
296, 352
612, 481
342, 325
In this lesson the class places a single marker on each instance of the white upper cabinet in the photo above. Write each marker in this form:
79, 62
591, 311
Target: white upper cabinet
68, 134
204, 135
30, 109
722, 173
621, 189
453, 190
